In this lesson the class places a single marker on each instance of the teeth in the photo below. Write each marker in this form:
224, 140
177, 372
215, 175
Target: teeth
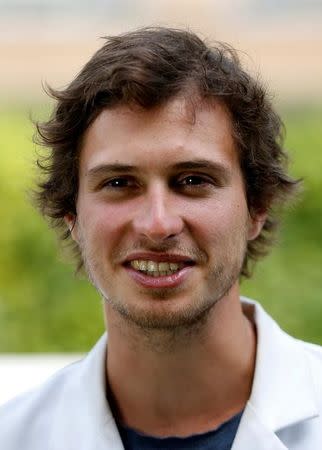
135, 264
154, 268
159, 274
166, 267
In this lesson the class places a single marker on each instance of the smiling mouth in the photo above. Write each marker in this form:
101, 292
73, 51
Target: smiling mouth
158, 269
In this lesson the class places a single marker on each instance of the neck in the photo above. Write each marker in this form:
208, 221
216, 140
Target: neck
183, 381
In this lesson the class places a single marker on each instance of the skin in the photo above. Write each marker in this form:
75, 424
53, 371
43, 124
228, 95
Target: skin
187, 352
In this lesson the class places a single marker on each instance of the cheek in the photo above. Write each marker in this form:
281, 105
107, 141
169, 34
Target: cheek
222, 218
103, 225
107, 225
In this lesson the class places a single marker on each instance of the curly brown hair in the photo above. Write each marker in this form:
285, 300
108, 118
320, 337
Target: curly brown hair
147, 67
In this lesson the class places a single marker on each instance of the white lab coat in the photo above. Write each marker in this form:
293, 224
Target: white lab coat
70, 411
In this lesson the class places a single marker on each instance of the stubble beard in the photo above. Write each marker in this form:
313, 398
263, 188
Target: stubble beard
190, 317
165, 330
163, 327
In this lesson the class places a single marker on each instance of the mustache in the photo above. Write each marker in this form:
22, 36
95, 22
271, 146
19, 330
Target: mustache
167, 246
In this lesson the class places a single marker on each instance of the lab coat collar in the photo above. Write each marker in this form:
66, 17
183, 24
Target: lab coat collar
282, 395
283, 387
84, 419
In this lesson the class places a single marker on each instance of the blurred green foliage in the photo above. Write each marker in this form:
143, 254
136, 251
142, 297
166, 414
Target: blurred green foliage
44, 307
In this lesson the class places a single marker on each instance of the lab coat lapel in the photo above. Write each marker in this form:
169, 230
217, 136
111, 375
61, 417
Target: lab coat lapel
83, 419
252, 434
282, 395
283, 388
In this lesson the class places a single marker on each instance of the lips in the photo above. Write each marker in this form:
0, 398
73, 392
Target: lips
159, 257
154, 268
163, 281
158, 270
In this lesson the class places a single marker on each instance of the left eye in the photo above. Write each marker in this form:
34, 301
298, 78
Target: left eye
194, 180
119, 182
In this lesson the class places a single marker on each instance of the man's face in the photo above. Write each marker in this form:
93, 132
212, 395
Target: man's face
162, 219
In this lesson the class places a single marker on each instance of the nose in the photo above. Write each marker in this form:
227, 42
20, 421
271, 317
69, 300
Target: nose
158, 218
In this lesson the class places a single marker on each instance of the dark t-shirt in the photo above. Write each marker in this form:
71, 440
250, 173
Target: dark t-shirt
219, 439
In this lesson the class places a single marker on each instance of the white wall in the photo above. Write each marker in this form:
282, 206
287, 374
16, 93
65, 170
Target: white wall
19, 373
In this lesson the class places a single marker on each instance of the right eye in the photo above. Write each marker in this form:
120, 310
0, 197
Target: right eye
118, 183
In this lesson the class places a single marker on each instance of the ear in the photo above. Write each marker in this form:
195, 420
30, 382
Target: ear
255, 225
71, 222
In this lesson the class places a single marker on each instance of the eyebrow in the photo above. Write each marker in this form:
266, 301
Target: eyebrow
117, 168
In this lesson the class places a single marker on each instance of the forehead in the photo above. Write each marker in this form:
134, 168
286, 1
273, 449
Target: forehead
169, 133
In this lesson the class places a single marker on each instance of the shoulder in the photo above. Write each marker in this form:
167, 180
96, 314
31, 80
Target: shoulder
283, 360
313, 353
27, 417
314, 350
64, 411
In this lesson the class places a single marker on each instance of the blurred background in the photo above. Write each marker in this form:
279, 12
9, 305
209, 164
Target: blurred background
43, 307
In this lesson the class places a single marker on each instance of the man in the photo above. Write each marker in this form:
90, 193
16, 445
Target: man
165, 167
